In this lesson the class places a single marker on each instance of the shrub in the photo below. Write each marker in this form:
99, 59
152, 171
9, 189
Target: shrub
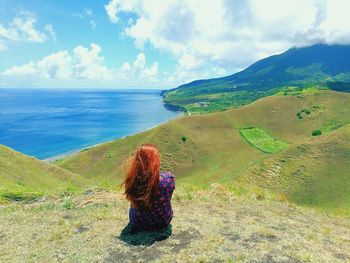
316, 132
68, 203
307, 111
183, 138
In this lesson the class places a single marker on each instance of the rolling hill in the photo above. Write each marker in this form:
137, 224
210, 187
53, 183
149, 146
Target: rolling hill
24, 177
214, 151
321, 66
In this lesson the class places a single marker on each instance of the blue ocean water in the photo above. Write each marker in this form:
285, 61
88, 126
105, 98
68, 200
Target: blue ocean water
46, 123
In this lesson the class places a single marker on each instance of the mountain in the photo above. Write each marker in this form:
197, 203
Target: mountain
320, 66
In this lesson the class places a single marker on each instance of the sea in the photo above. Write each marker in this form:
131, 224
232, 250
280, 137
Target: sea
45, 123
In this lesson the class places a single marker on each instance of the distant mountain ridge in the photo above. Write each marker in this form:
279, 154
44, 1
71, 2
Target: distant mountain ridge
325, 65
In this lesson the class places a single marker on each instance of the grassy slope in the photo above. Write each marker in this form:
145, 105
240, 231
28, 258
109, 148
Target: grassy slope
21, 173
215, 151
315, 173
213, 227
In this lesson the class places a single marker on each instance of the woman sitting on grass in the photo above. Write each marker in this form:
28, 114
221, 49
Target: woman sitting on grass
148, 190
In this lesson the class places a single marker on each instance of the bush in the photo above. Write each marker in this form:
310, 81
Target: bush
183, 138
68, 203
316, 132
307, 111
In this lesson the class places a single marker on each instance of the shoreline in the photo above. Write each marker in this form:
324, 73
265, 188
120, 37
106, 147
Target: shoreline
76, 151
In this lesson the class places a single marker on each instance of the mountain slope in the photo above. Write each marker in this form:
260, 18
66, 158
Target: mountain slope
323, 66
20, 174
214, 150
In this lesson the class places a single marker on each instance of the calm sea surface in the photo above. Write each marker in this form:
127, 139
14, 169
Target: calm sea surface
46, 123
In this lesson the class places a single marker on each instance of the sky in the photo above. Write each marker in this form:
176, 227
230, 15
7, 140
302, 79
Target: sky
154, 44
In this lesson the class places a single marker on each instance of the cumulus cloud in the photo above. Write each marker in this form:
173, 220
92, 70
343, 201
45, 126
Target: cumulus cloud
83, 65
114, 7
231, 34
138, 69
23, 29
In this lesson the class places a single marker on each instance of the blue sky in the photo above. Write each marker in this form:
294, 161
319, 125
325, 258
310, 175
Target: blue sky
153, 44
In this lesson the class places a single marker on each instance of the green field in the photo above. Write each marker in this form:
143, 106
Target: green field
260, 139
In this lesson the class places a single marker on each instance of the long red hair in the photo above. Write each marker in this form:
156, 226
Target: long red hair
142, 177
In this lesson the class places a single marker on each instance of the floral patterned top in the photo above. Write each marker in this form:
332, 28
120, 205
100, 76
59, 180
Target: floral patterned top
161, 213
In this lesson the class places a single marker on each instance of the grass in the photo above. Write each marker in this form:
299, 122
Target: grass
313, 174
261, 140
23, 177
206, 228
199, 102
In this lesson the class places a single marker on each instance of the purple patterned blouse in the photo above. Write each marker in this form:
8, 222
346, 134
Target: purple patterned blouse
161, 213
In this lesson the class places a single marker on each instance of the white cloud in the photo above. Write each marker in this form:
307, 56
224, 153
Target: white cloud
189, 62
88, 64
51, 32
114, 7
231, 34
23, 29
138, 70
83, 66
24, 70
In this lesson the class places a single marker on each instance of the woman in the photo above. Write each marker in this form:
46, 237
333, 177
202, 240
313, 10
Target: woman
148, 190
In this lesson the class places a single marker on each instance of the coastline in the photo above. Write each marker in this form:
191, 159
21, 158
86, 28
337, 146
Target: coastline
78, 150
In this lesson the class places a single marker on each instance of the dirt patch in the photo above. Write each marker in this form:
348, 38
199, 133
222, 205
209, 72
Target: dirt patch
184, 238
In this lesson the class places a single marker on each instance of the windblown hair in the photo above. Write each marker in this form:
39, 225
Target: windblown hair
142, 177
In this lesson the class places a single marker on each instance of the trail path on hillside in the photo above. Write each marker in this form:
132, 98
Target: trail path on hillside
205, 229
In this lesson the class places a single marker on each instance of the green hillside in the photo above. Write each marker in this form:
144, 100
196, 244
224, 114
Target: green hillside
22, 176
320, 66
314, 173
265, 149
214, 151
